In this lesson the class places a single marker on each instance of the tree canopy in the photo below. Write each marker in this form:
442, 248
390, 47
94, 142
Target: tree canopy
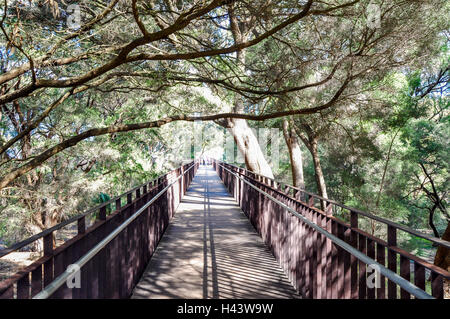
97, 96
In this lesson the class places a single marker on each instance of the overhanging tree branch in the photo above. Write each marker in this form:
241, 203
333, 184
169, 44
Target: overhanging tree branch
47, 111
123, 56
39, 159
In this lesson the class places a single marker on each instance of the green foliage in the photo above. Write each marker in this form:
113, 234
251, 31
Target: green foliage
379, 126
102, 198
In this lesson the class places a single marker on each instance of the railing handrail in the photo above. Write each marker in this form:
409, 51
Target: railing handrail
403, 283
435, 240
31, 239
59, 281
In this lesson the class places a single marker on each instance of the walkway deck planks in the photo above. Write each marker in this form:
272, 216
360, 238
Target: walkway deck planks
210, 250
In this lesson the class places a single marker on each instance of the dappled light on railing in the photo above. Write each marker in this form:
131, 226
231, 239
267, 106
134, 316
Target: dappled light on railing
315, 261
116, 268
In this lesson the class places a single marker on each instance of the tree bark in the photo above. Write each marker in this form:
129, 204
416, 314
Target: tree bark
431, 222
311, 140
295, 155
249, 147
74, 140
442, 259
320, 180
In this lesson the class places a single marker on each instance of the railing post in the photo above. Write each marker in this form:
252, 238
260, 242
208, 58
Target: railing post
392, 260
138, 197
437, 285
48, 265
102, 213
48, 244
81, 225
353, 219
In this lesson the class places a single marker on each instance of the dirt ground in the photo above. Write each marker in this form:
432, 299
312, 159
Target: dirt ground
14, 261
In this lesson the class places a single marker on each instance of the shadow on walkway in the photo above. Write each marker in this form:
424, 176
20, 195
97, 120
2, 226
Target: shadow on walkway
210, 250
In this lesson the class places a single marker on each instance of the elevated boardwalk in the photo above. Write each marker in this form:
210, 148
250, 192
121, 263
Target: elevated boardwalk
210, 250
211, 247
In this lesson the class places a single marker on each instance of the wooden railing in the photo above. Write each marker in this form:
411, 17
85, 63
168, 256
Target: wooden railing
116, 268
317, 266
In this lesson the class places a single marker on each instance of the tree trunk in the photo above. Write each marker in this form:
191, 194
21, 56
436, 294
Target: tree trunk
442, 259
295, 155
246, 141
248, 145
310, 139
320, 180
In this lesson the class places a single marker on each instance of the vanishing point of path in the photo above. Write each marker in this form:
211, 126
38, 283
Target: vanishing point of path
210, 250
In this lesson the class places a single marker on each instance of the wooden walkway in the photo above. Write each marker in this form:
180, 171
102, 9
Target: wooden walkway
210, 250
